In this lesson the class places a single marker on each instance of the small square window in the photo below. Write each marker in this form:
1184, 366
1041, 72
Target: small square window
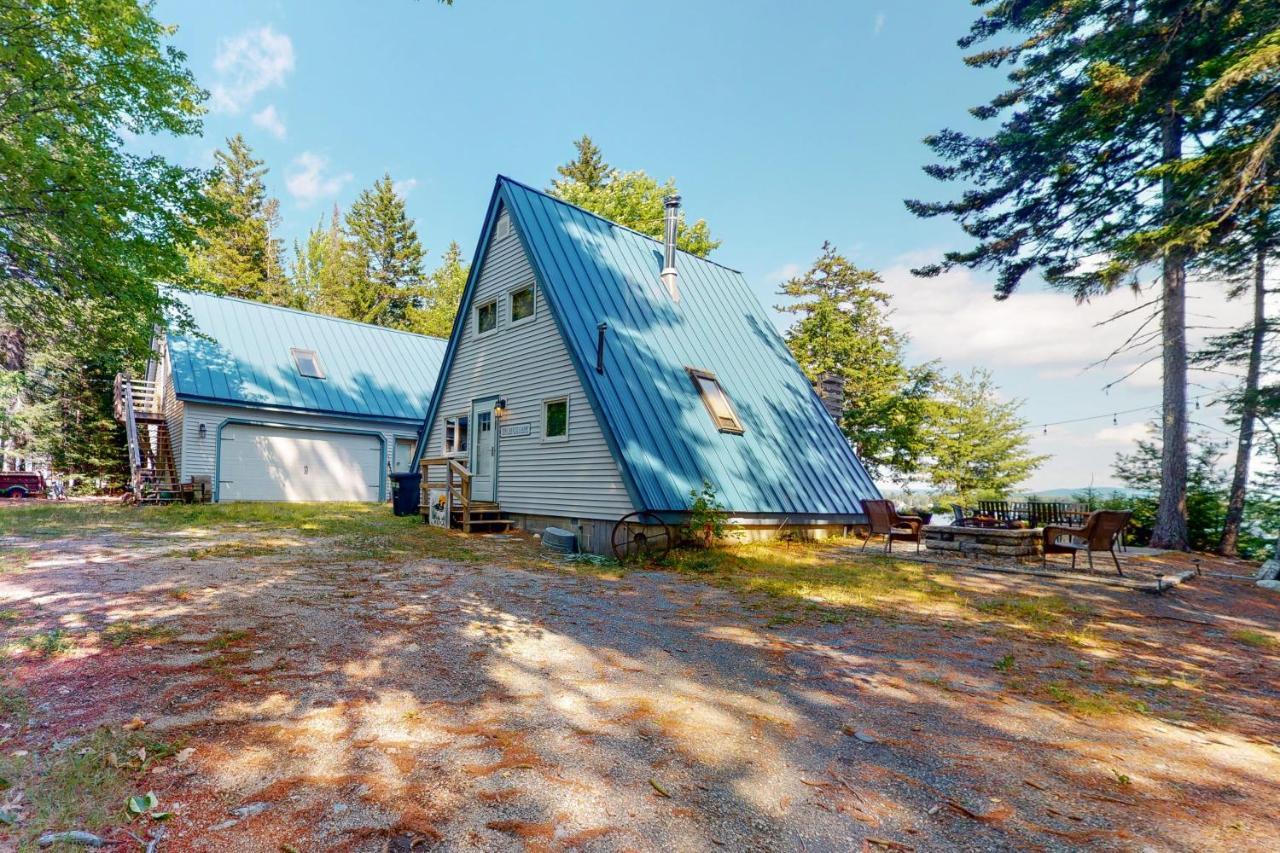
307, 362
487, 317
523, 304
716, 401
555, 420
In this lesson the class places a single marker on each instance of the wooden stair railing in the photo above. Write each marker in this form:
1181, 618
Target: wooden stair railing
152, 471
459, 494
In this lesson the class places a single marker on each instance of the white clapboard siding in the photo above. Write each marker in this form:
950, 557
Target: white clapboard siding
527, 364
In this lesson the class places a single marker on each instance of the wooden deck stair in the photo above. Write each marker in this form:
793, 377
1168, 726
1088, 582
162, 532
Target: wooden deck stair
483, 518
158, 483
153, 472
467, 515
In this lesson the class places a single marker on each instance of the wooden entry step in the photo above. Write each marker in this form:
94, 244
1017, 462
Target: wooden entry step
483, 518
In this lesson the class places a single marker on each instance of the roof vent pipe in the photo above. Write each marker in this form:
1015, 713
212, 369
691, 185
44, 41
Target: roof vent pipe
671, 219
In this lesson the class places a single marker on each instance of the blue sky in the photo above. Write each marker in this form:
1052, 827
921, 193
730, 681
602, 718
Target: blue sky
784, 128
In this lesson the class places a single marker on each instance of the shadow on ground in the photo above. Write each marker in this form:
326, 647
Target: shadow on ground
371, 698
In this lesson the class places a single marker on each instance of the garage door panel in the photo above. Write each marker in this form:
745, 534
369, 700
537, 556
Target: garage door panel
281, 464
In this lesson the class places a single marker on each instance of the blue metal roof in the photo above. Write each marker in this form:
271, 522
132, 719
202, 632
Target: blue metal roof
791, 458
238, 354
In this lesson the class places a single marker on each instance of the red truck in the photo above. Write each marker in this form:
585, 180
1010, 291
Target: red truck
21, 484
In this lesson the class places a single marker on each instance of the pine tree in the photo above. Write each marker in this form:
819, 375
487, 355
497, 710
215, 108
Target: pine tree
1141, 471
843, 330
441, 296
66, 414
1090, 162
589, 171
240, 256
1247, 347
385, 242
325, 268
632, 199
976, 442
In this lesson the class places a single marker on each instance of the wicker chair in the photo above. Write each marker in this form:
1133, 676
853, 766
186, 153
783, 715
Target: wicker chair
1098, 533
883, 520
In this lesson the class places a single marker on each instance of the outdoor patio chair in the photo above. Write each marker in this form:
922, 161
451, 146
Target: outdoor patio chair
1098, 533
959, 519
883, 520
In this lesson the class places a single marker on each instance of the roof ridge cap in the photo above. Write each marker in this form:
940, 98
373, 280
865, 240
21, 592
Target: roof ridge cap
608, 221
328, 317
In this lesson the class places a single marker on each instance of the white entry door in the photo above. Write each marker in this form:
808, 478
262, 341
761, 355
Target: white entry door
264, 463
484, 451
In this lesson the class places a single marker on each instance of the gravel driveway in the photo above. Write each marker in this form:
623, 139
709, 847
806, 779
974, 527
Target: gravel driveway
348, 704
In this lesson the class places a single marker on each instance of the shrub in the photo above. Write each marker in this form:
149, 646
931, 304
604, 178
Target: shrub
708, 520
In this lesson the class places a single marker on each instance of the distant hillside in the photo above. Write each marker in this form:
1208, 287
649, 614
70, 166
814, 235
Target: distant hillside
1100, 491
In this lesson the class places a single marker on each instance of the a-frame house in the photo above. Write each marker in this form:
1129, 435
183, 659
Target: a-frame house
594, 372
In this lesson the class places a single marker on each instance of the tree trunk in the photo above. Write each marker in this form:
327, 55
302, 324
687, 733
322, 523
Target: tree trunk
1171, 516
1228, 546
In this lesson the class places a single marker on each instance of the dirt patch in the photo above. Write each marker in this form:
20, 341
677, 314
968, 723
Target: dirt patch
359, 690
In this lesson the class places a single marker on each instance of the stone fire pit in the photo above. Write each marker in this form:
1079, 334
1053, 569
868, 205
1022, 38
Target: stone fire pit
1021, 545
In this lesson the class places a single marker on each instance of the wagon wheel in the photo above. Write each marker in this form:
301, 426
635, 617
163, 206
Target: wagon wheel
641, 535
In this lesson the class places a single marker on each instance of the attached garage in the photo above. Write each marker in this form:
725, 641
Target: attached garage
264, 403
258, 462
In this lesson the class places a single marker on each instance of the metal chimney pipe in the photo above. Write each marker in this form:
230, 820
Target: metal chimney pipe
671, 219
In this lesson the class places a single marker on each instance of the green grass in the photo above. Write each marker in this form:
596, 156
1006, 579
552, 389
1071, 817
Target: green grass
14, 707
120, 633
12, 559
235, 550
357, 530
1087, 703
1256, 639
50, 643
827, 581
83, 786
50, 520
225, 639
831, 583
1036, 611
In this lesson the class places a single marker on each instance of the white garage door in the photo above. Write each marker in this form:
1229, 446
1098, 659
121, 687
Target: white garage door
259, 463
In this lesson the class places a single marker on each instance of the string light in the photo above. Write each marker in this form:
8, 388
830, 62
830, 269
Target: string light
1115, 416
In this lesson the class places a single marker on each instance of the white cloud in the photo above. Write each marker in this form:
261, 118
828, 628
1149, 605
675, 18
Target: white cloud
954, 317
1125, 434
308, 181
879, 25
403, 188
784, 273
247, 64
269, 120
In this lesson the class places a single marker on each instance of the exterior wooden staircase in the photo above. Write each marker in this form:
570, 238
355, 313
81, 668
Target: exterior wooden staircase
153, 475
464, 514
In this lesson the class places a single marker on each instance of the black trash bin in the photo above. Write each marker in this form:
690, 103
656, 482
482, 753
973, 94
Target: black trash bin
406, 492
